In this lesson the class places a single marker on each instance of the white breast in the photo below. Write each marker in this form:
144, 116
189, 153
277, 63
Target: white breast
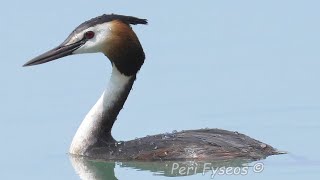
85, 135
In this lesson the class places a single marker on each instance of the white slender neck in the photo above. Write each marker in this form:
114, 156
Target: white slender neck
95, 129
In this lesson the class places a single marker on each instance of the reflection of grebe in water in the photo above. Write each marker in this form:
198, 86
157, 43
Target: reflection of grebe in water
88, 169
113, 36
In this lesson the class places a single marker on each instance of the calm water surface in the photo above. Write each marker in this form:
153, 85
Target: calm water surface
300, 140
247, 66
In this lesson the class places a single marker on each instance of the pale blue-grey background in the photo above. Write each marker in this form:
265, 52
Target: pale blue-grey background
250, 66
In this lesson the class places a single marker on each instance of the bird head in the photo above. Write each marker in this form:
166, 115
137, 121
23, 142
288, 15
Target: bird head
111, 35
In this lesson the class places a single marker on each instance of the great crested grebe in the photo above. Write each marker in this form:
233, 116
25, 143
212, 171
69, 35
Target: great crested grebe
113, 36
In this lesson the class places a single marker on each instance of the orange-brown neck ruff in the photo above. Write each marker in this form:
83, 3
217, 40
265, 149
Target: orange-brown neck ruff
124, 49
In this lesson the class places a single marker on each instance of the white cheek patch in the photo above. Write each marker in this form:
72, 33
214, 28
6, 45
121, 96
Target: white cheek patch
102, 31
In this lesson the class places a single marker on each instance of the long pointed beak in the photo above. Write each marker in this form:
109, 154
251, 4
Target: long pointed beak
56, 53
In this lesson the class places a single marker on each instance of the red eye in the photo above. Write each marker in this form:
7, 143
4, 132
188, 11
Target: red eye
89, 34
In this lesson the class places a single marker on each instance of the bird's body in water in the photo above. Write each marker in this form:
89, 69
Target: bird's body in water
113, 36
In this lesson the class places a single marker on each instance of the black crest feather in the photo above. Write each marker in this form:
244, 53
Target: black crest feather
110, 17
